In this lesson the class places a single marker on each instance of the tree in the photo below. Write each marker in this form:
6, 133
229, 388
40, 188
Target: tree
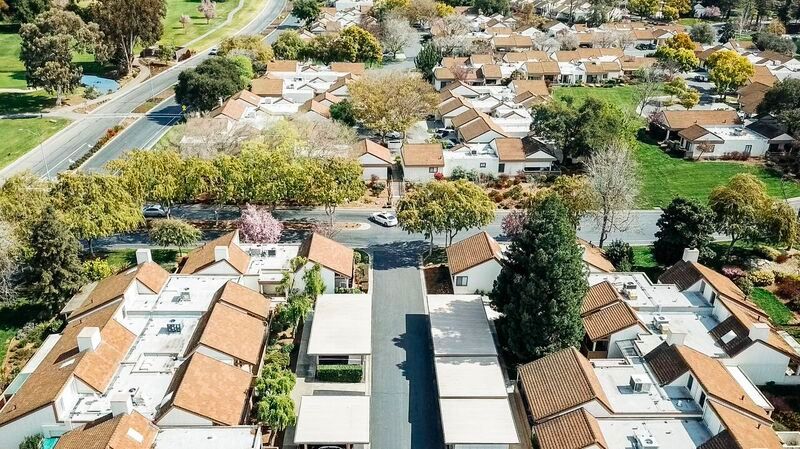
682, 6
185, 22
783, 101
96, 269
728, 70
450, 38
124, 35
356, 44
396, 34
491, 7
689, 98
204, 87
257, 225
314, 284
703, 33
444, 207
383, 8
277, 411
23, 197
422, 12
677, 54
209, 10
669, 13
54, 267
577, 195
769, 41
32, 442
251, 45
541, 285
332, 182
567, 41
47, 48
391, 101
775, 27
620, 254
307, 11
513, 223
155, 176
684, 223
173, 232
612, 175
25, 11
648, 85
95, 205
245, 67
727, 32
289, 45
740, 208
781, 225
643, 8
343, 112
10, 255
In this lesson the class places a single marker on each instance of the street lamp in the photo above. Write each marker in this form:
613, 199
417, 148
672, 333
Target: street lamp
41, 150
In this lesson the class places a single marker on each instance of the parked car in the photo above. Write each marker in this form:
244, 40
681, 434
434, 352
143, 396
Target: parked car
214, 51
394, 135
645, 46
387, 219
154, 211
701, 78
442, 132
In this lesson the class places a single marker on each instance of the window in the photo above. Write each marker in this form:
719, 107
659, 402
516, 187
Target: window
461, 281
748, 149
483, 164
702, 400
601, 345
702, 287
713, 297
431, 169
501, 168
690, 382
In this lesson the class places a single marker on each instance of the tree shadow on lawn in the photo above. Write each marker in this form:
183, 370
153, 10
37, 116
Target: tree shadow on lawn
23, 103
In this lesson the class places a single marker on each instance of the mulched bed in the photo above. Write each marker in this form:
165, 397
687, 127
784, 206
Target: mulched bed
437, 280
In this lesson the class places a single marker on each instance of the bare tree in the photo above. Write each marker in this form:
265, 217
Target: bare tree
9, 256
648, 85
185, 21
568, 41
396, 34
209, 10
546, 43
612, 174
324, 139
625, 39
450, 34
604, 39
205, 137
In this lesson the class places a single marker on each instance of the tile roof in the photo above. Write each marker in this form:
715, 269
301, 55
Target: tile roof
111, 432
471, 252
267, 87
510, 149
443, 73
209, 388
544, 68
751, 96
356, 68
481, 125
422, 155
762, 74
522, 56
536, 87
367, 146
632, 63
248, 97
747, 314
242, 298
559, 382
490, 71
677, 120
232, 332
596, 67
682, 273
595, 257
514, 40
112, 288
233, 109
598, 296
202, 257
328, 253
315, 106
693, 132
451, 104
452, 61
601, 323
577, 429
669, 362
465, 117
483, 59
286, 65
741, 432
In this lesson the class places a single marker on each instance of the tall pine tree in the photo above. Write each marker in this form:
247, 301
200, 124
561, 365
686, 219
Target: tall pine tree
54, 265
542, 284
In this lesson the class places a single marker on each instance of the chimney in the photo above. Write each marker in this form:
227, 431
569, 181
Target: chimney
675, 338
121, 404
88, 339
220, 253
143, 255
691, 254
759, 331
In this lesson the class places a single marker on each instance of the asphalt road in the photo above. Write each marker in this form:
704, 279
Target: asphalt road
78, 137
404, 412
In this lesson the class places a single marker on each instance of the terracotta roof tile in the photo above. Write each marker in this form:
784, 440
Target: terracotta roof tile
693, 132
471, 252
356, 68
595, 258
598, 296
677, 120
510, 149
110, 289
202, 257
422, 155
245, 299
577, 429
451, 104
267, 87
465, 117
286, 65
110, 432
367, 146
328, 253
232, 332
544, 68
536, 87
741, 432
603, 322
490, 71
481, 59
559, 382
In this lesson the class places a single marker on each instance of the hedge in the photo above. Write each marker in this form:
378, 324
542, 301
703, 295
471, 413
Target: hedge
340, 373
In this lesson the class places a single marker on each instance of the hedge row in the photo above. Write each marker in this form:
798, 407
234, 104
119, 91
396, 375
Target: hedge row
340, 373
109, 134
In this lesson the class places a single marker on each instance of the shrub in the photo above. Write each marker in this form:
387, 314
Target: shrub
733, 273
377, 187
745, 285
515, 192
438, 176
620, 254
340, 373
32, 442
96, 269
788, 287
762, 278
275, 356
767, 252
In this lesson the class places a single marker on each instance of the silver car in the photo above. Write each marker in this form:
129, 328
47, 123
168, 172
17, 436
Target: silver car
154, 211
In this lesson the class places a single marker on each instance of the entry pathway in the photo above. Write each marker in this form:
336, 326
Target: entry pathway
404, 411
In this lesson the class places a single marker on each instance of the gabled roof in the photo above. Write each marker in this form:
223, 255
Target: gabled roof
316, 107
695, 132
510, 149
613, 318
111, 432
451, 104
536, 87
741, 432
287, 65
204, 256
328, 253
465, 117
248, 97
356, 68
471, 252
443, 73
751, 96
677, 120
480, 59
367, 146
481, 125
242, 298
595, 257
545, 68
514, 40
598, 296
230, 331
742, 318
232, 109
112, 288
577, 429
559, 382
669, 362
209, 388
597, 67
267, 87
685, 274
422, 155
490, 71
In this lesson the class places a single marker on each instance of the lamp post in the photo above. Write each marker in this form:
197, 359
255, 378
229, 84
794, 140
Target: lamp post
41, 150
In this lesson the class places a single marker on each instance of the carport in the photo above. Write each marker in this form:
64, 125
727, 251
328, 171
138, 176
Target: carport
341, 421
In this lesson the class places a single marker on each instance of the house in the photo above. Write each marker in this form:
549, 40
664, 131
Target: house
123, 428
599, 71
542, 70
594, 258
450, 108
607, 319
718, 141
375, 159
522, 156
473, 126
222, 255
421, 162
335, 261
769, 127
514, 42
267, 87
675, 121
474, 263
751, 96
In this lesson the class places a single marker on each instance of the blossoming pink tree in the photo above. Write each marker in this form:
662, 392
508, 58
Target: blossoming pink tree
257, 225
514, 222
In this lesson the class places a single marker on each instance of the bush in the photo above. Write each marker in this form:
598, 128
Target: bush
515, 193
109, 134
620, 254
745, 285
275, 356
767, 252
733, 273
340, 373
762, 278
32, 442
96, 269
734, 156
788, 287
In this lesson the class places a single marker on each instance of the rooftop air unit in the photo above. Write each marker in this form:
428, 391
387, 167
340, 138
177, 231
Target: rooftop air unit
185, 296
645, 440
272, 252
174, 326
640, 383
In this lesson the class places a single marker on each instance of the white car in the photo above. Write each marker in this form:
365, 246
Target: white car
154, 211
387, 219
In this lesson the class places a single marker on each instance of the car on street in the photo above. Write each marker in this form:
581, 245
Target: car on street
646, 46
701, 78
394, 135
387, 219
154, 211
214, 51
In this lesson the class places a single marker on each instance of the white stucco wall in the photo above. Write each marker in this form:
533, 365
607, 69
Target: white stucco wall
418, 174
219, 268
480, 277
380, 172
328, 277
177, 417
762, 364
626, 334
12, 434
760, 146
471, 163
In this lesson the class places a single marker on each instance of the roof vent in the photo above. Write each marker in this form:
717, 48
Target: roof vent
645, 439
143, 255
759, 331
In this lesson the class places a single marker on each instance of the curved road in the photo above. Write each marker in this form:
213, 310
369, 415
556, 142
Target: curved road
74, 140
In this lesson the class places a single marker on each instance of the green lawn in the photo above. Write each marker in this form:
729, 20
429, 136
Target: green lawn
12, 71
644, 261
777, 311
664, 177
622, 96
121, 259
16, 142
245, 15
175, 34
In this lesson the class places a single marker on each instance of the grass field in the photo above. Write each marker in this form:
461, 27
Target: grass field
16, 142
122, 259
175, 34
664, 177
777, 311
622, 96
243, 17
12, 71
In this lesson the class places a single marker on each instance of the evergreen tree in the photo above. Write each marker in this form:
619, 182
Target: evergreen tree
55, 269
684, 223
428, 58
542, 284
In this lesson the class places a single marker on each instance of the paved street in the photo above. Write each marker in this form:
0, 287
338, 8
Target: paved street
404, 413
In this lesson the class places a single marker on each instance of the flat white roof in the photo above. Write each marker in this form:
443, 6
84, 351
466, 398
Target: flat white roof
470, 377
240, 437
459, 326
478, 421
667, 433
332, 420
341, 325
696, 327
643, 295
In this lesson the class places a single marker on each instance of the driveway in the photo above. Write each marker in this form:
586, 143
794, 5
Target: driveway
404, 411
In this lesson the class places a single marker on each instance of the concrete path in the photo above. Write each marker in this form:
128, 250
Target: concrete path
404, 411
